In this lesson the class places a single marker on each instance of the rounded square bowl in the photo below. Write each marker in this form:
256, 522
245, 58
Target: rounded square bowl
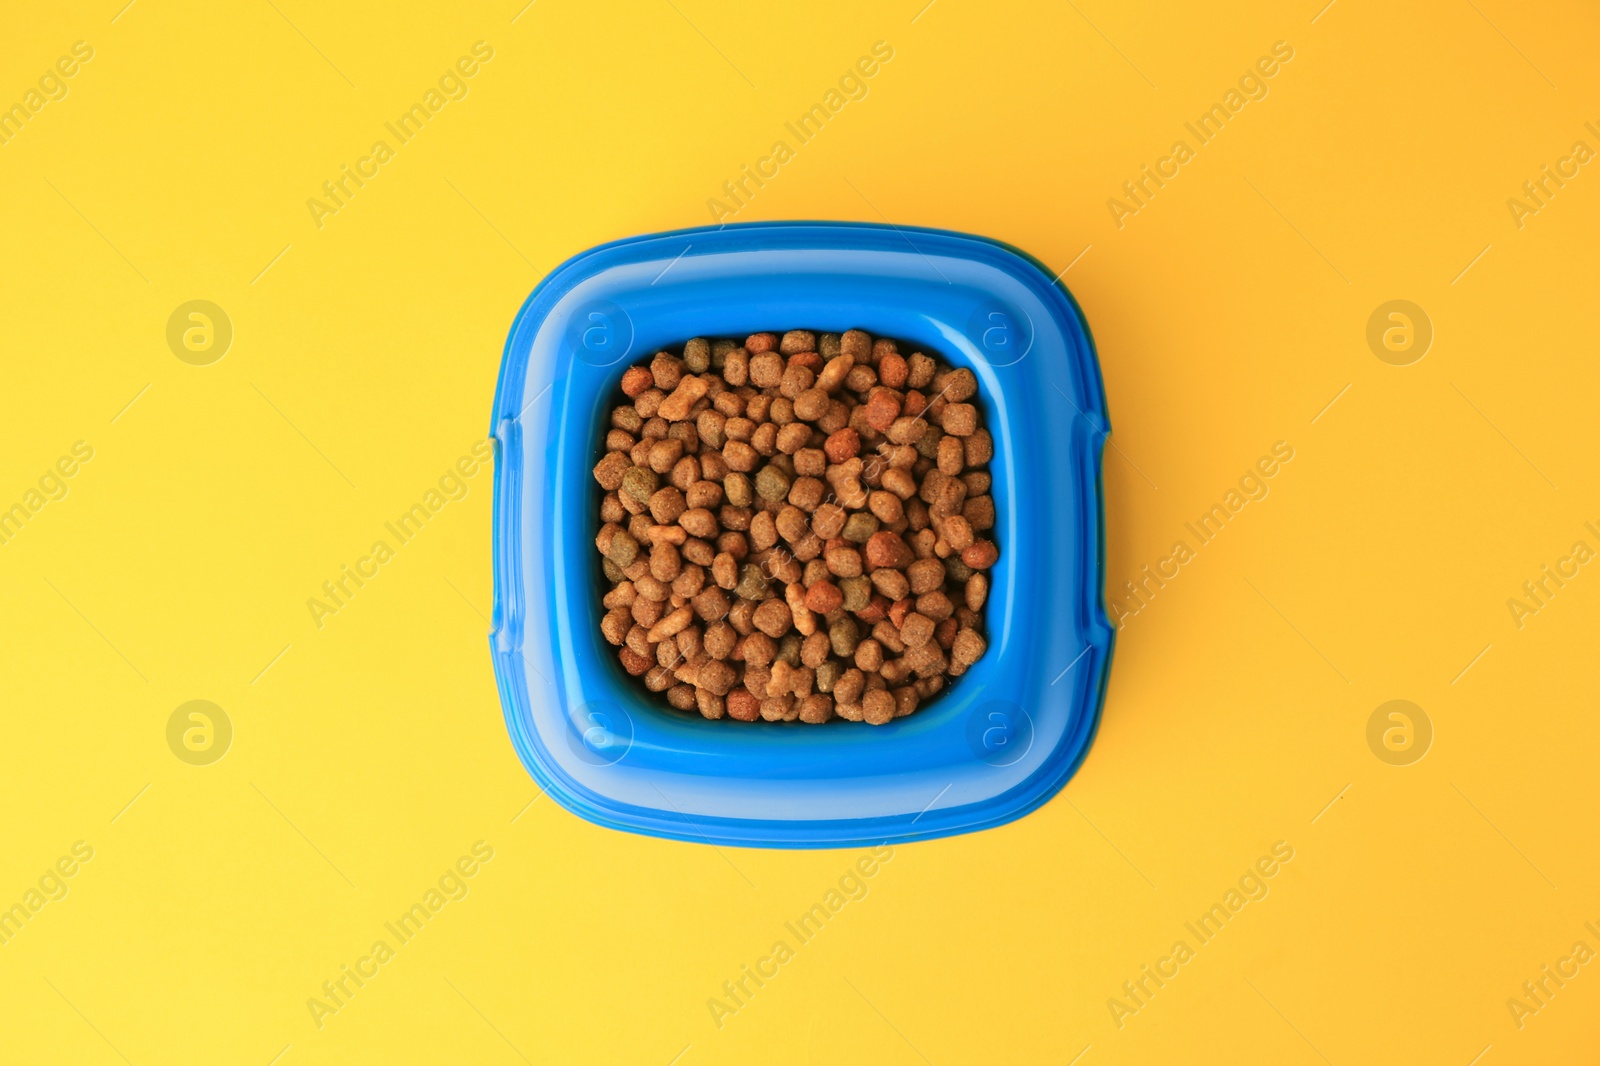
1001, 739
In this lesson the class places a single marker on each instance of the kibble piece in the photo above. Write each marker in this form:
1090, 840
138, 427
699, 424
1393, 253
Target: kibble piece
968, 648
891, 583
981, 554
843, 561
772, 483
609, 471
956, 531
824, 597
917, 630
887, 549
979, 512
977, 591
878, 707
960, 419
773, 618
743, 705
640, 482
622, 549
925, 575
859, 526
869, 656
979, 447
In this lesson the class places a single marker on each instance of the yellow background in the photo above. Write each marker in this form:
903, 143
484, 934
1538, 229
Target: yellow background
370, 754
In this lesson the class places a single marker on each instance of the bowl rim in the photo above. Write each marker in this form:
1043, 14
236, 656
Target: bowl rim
550, 767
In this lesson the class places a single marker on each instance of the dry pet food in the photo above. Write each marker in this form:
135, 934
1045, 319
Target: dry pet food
796, 527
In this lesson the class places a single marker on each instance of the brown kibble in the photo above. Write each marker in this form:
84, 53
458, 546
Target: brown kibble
839, 447
615, 625
710, 706
793, 437
807, 493
981, 554
824, 597
883, 407
968, 648
717, 677
979, 447
936, 605
957, 532
811, 404
887, 549
977, 591
925, 575
957, 385
917, 630
665, 563
891, 583
698, 522
834, 372
878, 706
951, 455
666, 505
907, 430
766, 370
979, 512
960, 419
927, 660
777, 708
773, 618
676, 407
816, 709
633, 662
886, 506
869, 655
796, 341
844, 561
610, 470
893, 370
876, 610
635, 380
743, 705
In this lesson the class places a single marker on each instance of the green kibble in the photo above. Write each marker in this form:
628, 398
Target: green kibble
827, 674
640, 482
697, 355
612, 571
789, 649
859, 527
752, 582
843, 636
772, 483
956, 569
928, 445
623, 549
857, 592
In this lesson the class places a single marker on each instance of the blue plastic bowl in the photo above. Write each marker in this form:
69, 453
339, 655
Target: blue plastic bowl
996, 743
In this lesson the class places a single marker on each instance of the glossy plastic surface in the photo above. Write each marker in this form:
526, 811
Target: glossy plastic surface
1000, 741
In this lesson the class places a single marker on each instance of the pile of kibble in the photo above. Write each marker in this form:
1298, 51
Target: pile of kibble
796, 527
